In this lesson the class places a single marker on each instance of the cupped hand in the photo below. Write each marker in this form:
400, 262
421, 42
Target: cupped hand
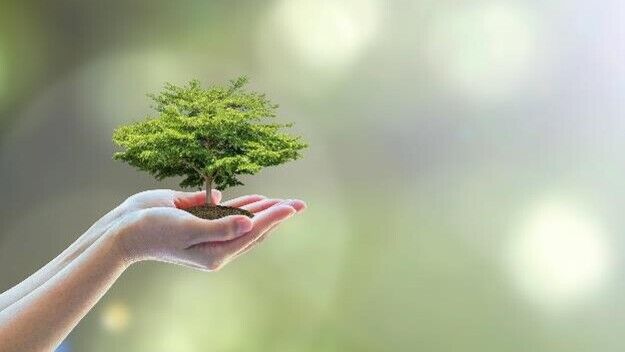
156, 228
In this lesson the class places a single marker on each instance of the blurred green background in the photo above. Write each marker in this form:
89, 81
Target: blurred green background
465, 178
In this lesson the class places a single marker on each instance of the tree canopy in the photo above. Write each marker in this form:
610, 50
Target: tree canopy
208, 135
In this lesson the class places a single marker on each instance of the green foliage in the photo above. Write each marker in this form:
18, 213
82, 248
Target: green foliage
212, 135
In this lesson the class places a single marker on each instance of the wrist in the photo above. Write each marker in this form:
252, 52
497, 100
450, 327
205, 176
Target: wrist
118, 238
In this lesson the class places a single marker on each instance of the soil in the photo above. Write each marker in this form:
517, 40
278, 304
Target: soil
212, 212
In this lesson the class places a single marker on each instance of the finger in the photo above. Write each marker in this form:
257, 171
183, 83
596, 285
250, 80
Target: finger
257, 242
260, 205
244, 200
220, 230
262, 222
297, 204
183, 200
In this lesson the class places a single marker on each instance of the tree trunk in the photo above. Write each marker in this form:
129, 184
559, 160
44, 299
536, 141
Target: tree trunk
209, 190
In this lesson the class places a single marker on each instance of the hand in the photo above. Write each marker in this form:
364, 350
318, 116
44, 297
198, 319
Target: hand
257, 206
155, 228
144, 200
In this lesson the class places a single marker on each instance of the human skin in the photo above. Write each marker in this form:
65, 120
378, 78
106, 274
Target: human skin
38, 313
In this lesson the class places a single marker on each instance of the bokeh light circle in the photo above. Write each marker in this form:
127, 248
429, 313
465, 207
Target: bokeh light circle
559, 255
322, 34
483, 52
115, 317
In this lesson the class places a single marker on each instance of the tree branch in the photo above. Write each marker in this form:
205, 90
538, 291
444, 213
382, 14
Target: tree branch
194, 168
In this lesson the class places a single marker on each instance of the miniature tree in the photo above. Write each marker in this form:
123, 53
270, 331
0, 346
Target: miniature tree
208, 136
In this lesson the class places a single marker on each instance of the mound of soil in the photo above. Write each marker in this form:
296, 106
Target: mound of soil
212, 212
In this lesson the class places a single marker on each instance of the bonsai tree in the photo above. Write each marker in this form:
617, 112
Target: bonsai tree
208, 136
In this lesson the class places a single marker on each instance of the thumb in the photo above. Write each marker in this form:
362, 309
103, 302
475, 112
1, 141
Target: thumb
220, 230
183, 200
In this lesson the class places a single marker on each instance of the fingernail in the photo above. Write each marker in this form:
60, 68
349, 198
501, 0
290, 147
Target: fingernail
243, 225
296, 204
304, 205
293, 210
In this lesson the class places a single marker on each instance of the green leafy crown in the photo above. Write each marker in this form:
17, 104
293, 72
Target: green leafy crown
212, 134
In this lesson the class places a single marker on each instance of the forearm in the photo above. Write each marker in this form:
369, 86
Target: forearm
42, 319
57, 264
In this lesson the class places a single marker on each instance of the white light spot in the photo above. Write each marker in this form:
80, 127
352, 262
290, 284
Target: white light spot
559, 255
485, 52
325, 33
